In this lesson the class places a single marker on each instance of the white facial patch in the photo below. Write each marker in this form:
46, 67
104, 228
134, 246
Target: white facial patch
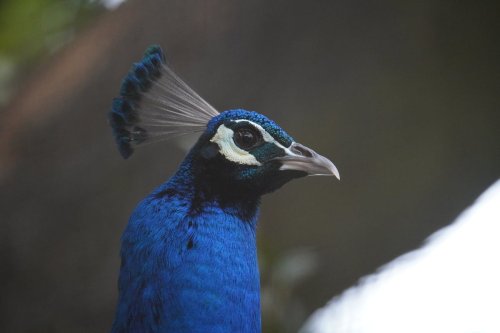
224, 139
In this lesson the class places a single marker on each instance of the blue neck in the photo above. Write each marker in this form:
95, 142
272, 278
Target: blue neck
189, 260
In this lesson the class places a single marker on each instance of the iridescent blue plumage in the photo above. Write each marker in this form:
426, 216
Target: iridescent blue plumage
189, 261
270, 126
123, 115
189, 257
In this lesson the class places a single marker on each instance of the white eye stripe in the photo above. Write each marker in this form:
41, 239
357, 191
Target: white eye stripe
269, 138
265, 135
224, 139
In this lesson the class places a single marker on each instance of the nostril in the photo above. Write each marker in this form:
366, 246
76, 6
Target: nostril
301, 150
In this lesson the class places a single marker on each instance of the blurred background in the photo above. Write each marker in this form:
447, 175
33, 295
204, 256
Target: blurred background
403, 96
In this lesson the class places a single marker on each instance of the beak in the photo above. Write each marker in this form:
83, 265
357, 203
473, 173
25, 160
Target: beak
301, 158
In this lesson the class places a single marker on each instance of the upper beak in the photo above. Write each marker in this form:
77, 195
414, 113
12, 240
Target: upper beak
299, 157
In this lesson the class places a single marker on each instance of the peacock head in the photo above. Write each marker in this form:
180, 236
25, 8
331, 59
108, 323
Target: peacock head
247, 149
236, 148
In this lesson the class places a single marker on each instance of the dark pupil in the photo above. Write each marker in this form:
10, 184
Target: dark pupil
245, 138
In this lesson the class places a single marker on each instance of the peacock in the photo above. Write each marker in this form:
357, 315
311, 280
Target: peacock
188, 253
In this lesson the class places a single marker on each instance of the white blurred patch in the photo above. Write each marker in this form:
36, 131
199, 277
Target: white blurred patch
112, 4
451, 285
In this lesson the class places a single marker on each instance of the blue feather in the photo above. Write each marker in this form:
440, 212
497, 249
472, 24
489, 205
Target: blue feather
176, 263
124, 113
270, 126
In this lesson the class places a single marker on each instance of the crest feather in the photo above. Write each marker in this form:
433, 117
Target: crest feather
155, 104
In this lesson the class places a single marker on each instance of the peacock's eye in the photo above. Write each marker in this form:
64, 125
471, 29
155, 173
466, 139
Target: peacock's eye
247, 137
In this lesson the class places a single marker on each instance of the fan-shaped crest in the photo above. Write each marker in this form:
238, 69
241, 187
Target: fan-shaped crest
155, 104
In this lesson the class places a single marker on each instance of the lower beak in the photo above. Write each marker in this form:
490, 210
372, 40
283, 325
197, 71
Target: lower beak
301, 158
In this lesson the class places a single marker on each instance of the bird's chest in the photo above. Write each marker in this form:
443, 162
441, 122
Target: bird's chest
216, 279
